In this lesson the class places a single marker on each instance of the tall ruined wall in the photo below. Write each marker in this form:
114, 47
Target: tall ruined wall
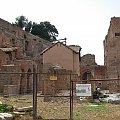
112, 49
19, 51
88, 59
90, 69
9, 79
12, 36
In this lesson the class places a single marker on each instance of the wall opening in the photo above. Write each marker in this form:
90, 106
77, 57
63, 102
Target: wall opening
22, 84
87, 76
117, 34
29, 81
26, 45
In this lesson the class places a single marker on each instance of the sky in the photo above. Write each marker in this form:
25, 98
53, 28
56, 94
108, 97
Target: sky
82, 22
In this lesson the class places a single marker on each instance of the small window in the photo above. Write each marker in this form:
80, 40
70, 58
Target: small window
117, 34
26, 45
34, 39
13, 41
9, 54
14, 32
25, 36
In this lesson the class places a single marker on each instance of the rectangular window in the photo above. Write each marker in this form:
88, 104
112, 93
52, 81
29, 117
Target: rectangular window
13, 41
117, 34
9, 54
26, 45
25, 36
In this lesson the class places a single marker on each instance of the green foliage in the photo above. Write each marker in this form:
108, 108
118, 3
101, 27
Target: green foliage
21, 21
91, 110
44, 30
28, 26
5, 108
94, 107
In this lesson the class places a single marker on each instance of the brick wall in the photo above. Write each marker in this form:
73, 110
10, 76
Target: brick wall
51, 87
26, 54
112, 49
9, 79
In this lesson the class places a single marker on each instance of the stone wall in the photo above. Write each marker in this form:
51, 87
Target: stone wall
56, 80
112, 49
9, 79
19, 51
88, 59
89, 68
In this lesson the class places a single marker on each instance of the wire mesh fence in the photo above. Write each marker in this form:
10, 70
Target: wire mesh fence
55, 96
102, 99
48, 94
51, 96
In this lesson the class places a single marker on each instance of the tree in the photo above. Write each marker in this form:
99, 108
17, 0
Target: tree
21, 21
28, 26
45, 30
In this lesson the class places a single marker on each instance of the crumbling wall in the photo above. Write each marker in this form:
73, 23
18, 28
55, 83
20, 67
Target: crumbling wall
112, 49
56, 80
9, 77
88, 59
26, 54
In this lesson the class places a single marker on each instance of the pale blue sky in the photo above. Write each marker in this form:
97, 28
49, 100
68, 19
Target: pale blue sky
82, 22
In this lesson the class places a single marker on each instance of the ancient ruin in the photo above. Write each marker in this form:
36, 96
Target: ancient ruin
20, 51
112, 49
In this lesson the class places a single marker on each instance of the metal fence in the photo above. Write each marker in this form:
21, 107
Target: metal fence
49, 94
53, 96
107, 87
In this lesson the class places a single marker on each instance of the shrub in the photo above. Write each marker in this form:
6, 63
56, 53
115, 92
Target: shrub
5, 108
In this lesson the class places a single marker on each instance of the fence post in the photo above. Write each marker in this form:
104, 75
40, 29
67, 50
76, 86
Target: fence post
71, 99
34, 93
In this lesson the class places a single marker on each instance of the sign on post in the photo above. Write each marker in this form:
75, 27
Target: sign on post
53, 77
83, 89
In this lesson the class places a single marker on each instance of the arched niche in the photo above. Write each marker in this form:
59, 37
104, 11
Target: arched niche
22, 82
29, 81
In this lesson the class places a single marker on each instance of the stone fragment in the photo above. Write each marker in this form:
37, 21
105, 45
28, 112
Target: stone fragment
6, 116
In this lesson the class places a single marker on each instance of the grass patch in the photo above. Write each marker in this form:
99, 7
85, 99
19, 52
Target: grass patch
5, 108
57, 110
94, 107
91, 111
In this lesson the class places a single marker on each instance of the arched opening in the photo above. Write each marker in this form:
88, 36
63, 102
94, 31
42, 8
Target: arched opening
87, 75
29, 81
21, 91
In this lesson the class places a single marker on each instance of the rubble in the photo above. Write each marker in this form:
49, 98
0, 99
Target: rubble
25, 109
6, 116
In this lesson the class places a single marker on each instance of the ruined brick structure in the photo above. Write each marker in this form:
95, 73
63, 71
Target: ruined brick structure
112, 54
19, 51
112, 49
90, 69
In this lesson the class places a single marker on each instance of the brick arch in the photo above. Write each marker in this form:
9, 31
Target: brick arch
86, 75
